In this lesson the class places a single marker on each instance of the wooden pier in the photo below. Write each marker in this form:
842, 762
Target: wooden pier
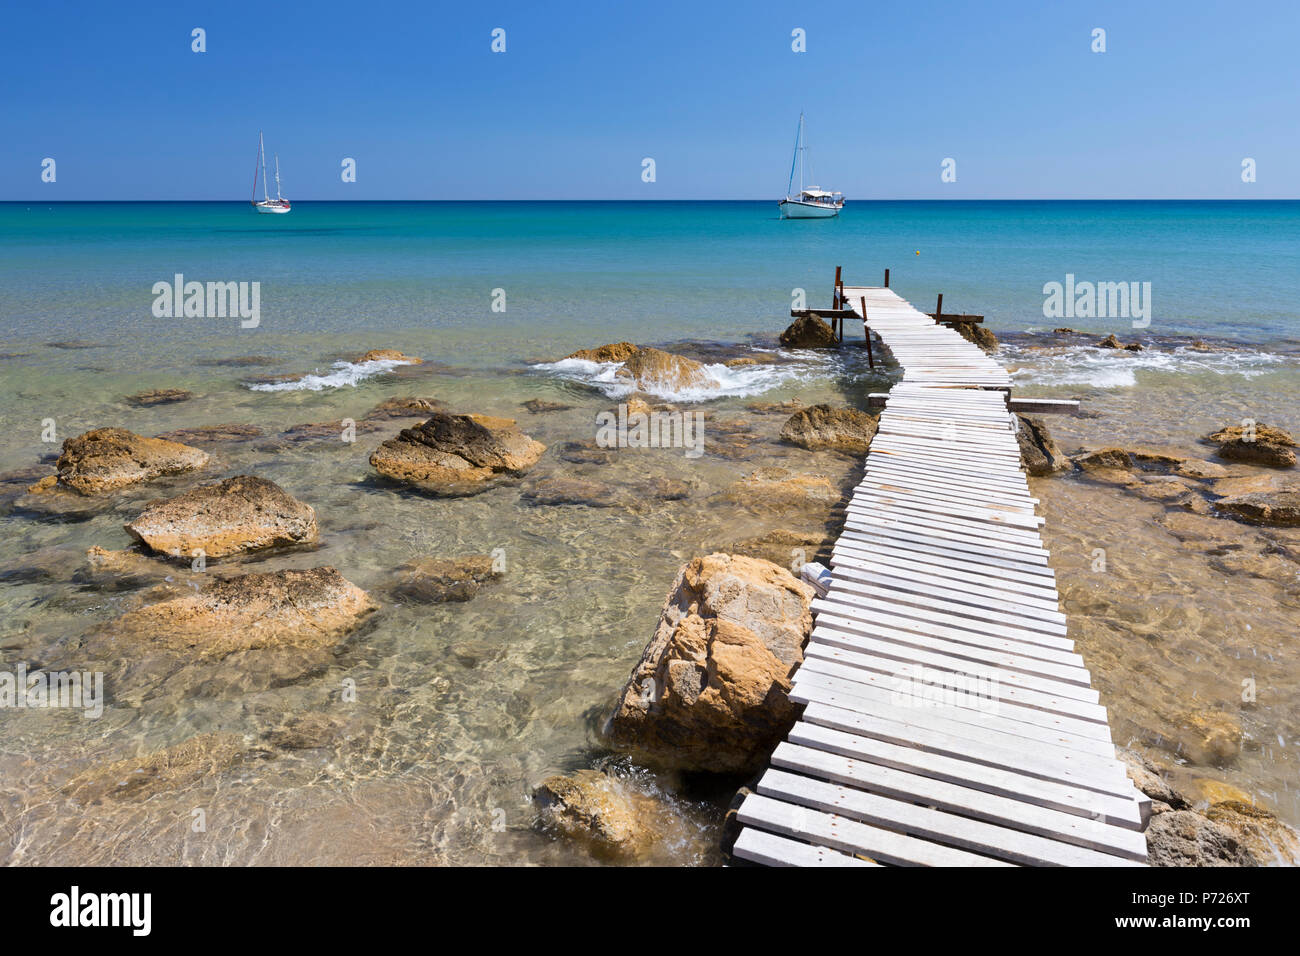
948, 720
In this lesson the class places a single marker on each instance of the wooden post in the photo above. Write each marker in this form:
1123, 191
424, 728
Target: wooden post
871, 359
835, 296
886, 278
938, 309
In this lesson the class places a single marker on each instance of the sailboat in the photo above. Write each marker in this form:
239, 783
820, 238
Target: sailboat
277, 205
811, 202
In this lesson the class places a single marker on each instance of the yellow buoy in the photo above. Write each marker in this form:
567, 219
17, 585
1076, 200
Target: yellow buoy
918, 252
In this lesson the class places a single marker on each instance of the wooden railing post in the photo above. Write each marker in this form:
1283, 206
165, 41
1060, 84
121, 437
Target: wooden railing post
938, 309
835, 295
886, 278
871, 359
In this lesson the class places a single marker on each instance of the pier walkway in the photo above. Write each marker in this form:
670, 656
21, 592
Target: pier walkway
948, 720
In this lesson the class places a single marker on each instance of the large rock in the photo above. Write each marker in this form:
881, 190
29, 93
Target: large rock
407, 406
387, 355
1274, 508
1267, 445
651, 370
973, 332
158, 396
821, 426
435, 580
617, 352
243, 513
711, 689
107, 459
1186, 838
457, 454
778, 489
1265, 837
1038, 452
300, 609
808, 332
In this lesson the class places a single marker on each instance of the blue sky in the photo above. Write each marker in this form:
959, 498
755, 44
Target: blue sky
1012, 91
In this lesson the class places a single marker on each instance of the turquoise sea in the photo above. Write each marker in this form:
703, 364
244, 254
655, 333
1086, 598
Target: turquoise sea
462, 708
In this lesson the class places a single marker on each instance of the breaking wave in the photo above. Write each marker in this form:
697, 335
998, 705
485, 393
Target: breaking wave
340, 374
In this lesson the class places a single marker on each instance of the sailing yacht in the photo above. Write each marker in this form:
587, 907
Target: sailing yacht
268, 205
811, 202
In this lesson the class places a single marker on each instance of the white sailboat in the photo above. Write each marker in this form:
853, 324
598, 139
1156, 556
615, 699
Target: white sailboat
811, 202
268, 205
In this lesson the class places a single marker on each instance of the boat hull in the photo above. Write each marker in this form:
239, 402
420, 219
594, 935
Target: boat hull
271, 207
793, 209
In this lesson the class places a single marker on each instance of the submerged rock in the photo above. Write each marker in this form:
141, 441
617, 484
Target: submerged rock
1210, 738
303, 609
239, 514
785, 547
435, 580
106, 459
1039, 454
1275, 508
777, 489
540, 405
821, 426
387, 355
808, 332
407, 406
457, 454
710, 691
204, 434
165, 771
559, 490
158, 396
1264, 836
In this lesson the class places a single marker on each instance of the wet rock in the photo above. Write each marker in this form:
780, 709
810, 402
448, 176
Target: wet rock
121, 570
239, 514
1105, 461
821, 426
1066, 331
617, 352
238, 361
539, 406
974, 332
45, 564
1264, 836
808, 332
652, 370
559, 490
1201, 470
607, 815
740, 362
1163, 488
1274, 508
107, 459
212, 434
785, 548
1146, 776
1185, 838
1262, 445
436, 580
309, 609
585, 453
457, 454
1109, 342
1039, 454
158, 396
710, 691
665, 489
387, 355
1134, 347
165, 771
774, 408
777, 489
407, 406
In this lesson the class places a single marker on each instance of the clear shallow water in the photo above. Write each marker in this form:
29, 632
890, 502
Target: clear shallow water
463, 707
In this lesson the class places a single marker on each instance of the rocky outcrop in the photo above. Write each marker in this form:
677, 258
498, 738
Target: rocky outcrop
617, 352
1266, 838
710, 691
457, 454
1186, 838
974, 332
1261, 445
300, 609
435, 580
387, 355
808, 332
658, 372
821, 426
158, 396
107, 459
1039, 454
239, 514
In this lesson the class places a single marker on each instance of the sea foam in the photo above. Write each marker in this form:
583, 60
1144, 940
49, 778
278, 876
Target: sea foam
340, 374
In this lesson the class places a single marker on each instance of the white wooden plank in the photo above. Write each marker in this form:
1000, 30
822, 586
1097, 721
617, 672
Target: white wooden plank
871, 557
759, 846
